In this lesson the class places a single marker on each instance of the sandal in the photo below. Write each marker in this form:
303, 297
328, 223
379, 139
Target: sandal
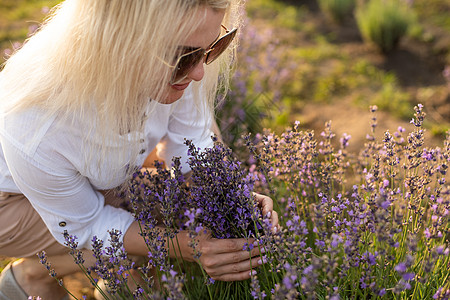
10, 289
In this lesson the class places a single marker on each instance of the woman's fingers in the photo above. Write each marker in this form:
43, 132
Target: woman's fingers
265, 203
274, 221
216, 246
234, 264
235, 271
233, 268
229, 250
229, 259
230, 266
234, 276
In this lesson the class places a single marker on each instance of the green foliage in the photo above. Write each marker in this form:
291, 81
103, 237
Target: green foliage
18, 18
338, 10
390, 98
4, 261
434, 12
334, 83
279, 14
24, 9
384, 23
264, 8
439, 129
369, 73
383, 90
289, 18
13, 35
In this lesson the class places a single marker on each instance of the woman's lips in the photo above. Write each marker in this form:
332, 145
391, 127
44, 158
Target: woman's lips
180, 87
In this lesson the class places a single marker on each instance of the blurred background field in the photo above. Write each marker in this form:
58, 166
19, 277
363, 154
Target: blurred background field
310, 67
298, 62
305, 60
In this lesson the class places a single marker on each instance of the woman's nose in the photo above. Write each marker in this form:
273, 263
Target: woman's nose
197, 72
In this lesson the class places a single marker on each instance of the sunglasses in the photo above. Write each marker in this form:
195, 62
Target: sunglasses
188, 61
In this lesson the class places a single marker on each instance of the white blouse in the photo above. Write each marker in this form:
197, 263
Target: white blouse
52, 174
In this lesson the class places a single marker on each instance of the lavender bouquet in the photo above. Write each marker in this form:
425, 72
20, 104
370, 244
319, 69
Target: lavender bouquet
221, 191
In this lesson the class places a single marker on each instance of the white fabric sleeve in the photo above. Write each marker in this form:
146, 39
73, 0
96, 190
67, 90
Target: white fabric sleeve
187, 121
64, 198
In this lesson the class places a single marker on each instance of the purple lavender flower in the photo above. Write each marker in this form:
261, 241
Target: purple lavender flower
442, 294
256, 291
112, 263
401, 267
288, 287
173, 284
73, 245
44, 261
222, 190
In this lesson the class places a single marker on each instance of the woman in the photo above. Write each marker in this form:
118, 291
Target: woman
84, 102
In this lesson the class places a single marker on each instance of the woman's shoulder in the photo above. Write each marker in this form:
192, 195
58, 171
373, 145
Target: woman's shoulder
32, 130
24, 128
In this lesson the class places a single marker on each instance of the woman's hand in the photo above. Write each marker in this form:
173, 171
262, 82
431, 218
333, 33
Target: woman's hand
266, 206
226, 259
222, 259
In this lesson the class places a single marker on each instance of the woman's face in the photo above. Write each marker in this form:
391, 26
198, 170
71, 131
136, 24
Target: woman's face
203, 36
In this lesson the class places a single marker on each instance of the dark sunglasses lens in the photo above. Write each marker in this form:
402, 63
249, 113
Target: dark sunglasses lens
220, 46
186, 63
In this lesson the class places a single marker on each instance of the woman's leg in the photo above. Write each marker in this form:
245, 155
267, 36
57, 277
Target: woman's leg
23, 234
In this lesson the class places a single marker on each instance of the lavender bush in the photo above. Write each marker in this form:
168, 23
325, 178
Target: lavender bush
373, 225
354, 226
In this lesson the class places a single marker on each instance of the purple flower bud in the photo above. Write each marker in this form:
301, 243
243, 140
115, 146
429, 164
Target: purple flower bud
308, 270
440, 249
437, 294
385, 204
408, 276
401, 267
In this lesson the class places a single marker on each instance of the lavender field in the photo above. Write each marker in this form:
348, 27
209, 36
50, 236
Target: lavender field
352, 142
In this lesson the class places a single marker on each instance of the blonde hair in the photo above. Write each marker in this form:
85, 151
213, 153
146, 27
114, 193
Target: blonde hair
100, 60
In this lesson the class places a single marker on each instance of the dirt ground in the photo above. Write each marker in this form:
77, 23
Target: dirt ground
79, 286
418, 66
